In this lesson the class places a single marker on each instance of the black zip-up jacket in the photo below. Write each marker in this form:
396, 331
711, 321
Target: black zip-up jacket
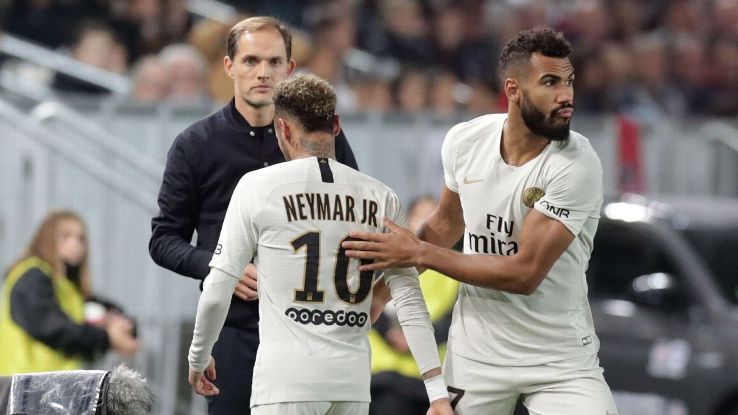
204, 165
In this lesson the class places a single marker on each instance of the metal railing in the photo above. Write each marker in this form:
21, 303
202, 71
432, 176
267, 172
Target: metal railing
95, 168
41, 56
723, 139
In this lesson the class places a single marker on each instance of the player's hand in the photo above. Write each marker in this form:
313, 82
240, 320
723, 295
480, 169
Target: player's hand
246, 287
201, 382
380, 297
397, 248
440, 407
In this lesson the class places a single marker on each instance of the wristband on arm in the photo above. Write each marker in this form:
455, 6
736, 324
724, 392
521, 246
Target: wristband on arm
436, 388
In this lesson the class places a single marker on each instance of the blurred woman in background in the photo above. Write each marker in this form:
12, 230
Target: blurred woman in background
42, 308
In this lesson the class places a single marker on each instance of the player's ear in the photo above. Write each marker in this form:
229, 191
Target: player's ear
280, 126
291, 67
512, 90
336, 125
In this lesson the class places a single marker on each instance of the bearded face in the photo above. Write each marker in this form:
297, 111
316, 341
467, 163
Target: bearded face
552, 125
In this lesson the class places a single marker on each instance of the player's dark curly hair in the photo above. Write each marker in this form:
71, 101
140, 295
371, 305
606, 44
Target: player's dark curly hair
309, 99
540, 39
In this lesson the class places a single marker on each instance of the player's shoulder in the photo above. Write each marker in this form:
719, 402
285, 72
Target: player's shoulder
464, 134
578, 150
474, 127
360, 179
276, 173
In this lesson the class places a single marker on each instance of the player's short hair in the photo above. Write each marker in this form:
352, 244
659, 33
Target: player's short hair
254, 24
309, 99
542, 40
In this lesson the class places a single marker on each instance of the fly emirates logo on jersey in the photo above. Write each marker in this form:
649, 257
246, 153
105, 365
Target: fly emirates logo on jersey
496, 240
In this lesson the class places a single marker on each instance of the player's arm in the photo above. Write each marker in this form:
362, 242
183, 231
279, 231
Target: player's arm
236, 247
173, 226
212, 309
542, 241
445, 226
418, 328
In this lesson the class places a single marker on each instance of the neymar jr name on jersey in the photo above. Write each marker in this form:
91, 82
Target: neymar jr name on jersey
324, 206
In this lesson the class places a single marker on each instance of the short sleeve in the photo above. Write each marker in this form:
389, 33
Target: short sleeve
238, 236
397, 214
574, 193
395, 211
448, 157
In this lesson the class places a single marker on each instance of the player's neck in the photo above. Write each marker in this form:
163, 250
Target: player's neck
255, 116
315, 144
518, 144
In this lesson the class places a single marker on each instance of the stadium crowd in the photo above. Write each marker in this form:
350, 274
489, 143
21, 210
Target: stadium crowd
673, 57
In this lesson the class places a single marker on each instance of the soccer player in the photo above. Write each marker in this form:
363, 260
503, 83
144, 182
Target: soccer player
204, 165
525, 193
314, 303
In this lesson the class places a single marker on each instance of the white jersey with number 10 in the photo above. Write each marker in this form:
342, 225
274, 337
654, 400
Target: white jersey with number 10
314, 303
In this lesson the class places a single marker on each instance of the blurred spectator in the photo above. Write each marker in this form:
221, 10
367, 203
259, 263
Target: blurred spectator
690, 72
403, 34
484, 98
151, 80
36, 20
465, 57
209, 36
95, 44
373, 94
654, 93
723, 98
396, 386
446, 93
684, 17
187, 70
725, 19
435, 36
42, 314
334, 34
411, 91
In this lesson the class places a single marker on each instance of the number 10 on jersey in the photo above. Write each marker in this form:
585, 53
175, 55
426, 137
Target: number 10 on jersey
310, 292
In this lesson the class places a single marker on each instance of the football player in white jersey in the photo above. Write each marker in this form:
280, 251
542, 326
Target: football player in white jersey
314, 357
525, 194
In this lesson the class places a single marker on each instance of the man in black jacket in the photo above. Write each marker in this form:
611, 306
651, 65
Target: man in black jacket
203, 167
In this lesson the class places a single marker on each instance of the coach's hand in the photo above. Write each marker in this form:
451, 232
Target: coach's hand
246, 287
201, 382
397, 248
440, 407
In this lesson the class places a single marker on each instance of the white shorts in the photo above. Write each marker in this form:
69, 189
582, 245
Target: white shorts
572, 387
312, 408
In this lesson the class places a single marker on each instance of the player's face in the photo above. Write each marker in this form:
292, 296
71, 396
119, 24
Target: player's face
260, 63
547, 100
71, 242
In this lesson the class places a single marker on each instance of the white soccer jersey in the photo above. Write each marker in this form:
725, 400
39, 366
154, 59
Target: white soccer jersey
313, 303
564, 182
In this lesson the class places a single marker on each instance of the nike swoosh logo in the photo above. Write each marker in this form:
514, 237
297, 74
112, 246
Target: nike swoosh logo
467, 181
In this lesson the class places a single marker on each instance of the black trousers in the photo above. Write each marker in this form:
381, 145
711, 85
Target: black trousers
234, 354
393, 393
